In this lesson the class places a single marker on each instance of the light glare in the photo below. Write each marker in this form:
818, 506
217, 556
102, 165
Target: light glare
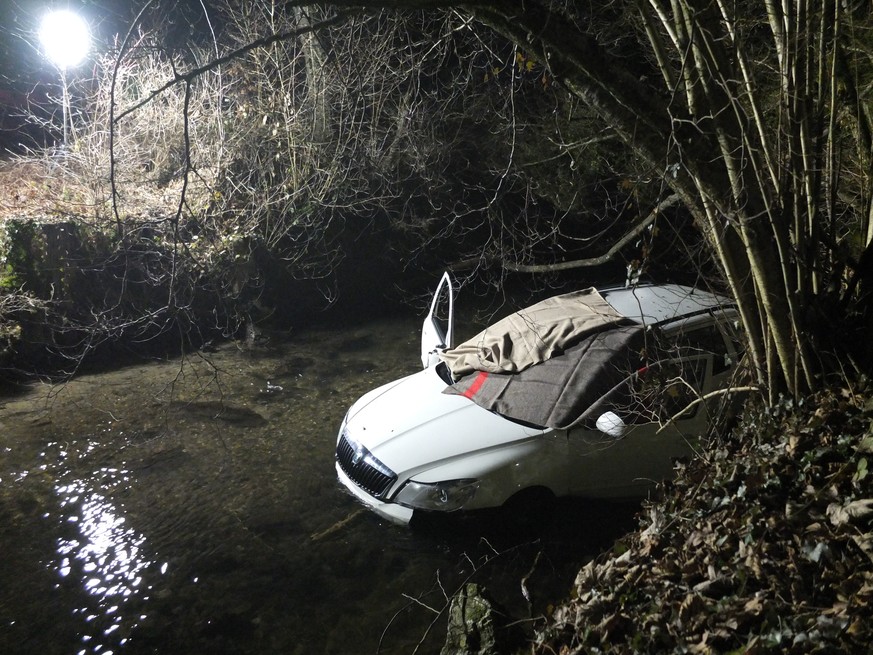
65, 38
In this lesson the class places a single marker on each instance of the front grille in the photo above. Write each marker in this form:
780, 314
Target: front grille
363, 468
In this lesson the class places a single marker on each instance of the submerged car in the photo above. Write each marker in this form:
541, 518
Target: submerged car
591, 394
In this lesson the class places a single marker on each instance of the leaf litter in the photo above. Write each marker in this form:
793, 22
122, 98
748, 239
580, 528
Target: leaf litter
763, 546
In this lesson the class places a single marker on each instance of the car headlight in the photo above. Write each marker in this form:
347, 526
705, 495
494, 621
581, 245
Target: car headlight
441, 496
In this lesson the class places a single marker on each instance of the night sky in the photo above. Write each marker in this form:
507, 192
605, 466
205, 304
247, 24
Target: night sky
30, 84
21, 62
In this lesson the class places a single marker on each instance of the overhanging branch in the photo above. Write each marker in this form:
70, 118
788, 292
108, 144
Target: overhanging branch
606, 257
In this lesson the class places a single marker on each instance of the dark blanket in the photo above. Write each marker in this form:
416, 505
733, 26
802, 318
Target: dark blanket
565, 391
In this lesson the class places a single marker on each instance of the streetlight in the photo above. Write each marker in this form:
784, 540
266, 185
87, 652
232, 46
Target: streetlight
65, 39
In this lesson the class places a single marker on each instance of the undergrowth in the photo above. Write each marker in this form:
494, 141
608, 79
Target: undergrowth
763, 546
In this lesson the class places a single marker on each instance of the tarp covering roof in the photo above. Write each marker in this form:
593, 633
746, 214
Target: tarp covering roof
567, 389
533, 335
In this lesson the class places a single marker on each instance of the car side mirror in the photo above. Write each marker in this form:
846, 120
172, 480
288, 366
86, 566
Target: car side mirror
610, 423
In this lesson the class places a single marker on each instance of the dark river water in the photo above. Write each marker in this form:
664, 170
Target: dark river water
191, 506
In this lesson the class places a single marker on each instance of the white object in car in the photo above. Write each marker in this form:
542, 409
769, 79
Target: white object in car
408, 446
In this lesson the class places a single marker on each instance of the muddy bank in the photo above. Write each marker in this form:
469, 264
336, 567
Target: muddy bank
73, 296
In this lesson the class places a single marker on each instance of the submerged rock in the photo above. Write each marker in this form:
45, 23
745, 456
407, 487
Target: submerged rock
472, 626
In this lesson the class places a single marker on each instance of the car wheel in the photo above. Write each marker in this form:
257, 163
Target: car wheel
532, 507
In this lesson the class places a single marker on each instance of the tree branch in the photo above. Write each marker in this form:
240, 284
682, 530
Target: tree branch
235, 54
606, 257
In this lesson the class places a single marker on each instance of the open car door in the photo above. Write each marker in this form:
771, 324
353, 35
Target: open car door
437, 332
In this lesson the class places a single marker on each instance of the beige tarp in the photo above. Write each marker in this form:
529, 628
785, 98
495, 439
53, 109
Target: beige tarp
572, 388
533, 335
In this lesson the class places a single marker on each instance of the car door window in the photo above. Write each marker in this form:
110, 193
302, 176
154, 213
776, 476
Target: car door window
710, 340
668, 389
706, 339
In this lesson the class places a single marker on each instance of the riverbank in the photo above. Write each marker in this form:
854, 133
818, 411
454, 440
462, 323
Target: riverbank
763, 545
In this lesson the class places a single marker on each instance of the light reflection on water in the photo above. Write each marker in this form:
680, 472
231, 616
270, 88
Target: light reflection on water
103, 556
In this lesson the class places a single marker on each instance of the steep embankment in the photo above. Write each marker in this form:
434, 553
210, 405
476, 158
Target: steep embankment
764, 546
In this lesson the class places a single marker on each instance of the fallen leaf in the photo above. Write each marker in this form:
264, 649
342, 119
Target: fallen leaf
692, 605
754, 606
814, 552
852, 512
865, 543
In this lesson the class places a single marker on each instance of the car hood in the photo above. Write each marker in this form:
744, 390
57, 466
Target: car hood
410, 423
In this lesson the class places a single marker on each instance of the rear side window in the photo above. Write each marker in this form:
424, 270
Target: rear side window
707, 340
675, 369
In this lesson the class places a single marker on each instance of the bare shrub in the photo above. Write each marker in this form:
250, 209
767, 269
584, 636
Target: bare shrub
303, 129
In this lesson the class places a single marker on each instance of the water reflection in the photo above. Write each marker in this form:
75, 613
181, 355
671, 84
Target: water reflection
104, 557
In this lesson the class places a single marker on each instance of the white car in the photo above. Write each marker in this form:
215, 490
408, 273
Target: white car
590, 394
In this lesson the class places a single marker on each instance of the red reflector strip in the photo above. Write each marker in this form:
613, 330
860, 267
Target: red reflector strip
477, 384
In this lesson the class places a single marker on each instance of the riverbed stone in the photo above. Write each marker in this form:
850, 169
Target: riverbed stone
473, 628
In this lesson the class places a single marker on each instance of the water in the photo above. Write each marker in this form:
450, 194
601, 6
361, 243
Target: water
191, 506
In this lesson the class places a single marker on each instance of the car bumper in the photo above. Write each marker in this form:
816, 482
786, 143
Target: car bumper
390, 511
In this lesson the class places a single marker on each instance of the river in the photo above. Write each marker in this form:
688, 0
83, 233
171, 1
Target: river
191, 506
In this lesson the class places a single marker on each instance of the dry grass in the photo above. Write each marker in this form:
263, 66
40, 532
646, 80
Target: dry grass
55, 188
29, 190
164, 150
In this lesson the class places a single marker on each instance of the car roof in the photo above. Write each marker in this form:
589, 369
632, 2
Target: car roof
663, 303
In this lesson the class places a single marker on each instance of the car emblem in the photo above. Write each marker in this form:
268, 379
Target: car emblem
358, 456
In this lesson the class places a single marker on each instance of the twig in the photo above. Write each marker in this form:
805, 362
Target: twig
704, 397
524, 590
425, 605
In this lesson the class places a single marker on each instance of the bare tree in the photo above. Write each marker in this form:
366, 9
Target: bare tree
756, 133
412, 121
759, 125
302, 125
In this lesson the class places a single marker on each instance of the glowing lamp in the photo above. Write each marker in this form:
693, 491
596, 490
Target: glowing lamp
65, 38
